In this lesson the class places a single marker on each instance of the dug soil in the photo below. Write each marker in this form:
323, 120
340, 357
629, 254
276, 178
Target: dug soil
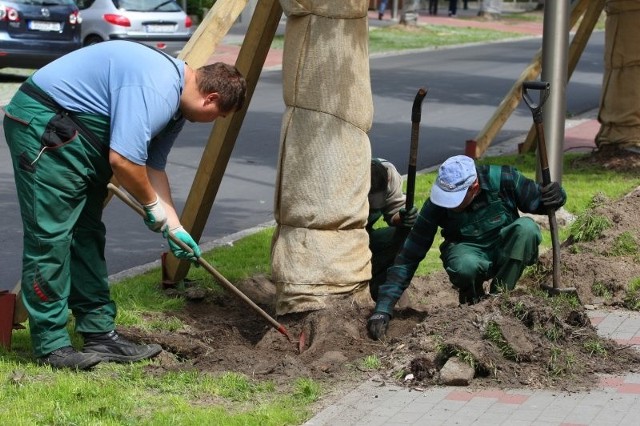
525, 338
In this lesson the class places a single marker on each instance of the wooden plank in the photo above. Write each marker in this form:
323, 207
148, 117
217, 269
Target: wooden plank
214, 26
512, 99
213, 164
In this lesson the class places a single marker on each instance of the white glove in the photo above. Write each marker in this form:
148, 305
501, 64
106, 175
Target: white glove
156, 215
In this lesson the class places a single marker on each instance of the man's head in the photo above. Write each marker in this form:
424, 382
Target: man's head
455, 176
212, 91
379, 182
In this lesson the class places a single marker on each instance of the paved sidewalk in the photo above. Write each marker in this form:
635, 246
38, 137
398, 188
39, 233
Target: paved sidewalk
615, 401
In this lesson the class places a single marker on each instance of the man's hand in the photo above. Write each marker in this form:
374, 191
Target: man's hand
156, 215
552, 196
183, 236
377, 325
408, 218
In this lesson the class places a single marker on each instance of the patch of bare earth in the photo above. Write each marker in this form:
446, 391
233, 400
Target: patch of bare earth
521, 339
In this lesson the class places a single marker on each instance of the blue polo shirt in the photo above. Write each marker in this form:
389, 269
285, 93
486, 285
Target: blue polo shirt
138, 88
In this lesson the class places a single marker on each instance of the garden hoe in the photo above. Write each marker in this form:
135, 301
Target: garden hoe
536, 111
226, 283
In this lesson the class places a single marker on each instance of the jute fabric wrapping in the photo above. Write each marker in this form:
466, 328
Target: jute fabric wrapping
619, 114
320, 250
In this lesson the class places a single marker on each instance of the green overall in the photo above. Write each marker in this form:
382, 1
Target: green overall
492, 242
385, 244
61, 176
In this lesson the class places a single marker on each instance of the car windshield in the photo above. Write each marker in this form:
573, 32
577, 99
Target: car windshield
148, 5
43, 2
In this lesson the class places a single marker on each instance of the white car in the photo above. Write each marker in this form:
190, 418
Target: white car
158, 23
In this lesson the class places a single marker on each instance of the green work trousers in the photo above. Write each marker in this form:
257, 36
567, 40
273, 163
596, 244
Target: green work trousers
502, 259
385, 244
61, 180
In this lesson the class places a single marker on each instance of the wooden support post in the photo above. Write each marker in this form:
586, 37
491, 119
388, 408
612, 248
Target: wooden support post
576, 48
251, 58
507, 106
513, 97
211, 31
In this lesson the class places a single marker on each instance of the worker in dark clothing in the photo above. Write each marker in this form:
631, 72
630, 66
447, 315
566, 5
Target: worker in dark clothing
386, 200
484, 236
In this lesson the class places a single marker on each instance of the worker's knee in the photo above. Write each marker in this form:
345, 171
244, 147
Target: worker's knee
467, 270
527, 229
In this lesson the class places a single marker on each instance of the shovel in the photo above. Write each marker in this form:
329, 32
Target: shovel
536, 110
416, 115
226, 283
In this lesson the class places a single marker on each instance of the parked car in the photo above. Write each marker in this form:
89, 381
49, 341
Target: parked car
158, 23
35, 32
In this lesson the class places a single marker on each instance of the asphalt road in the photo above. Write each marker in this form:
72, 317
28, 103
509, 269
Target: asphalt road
465, 85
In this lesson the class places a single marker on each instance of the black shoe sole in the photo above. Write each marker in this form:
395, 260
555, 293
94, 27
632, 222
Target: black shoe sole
86, 365
152, 351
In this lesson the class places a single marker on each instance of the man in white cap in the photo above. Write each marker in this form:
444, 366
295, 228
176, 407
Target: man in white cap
484, 236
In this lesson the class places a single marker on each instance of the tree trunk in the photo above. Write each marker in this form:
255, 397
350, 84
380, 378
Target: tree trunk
619, 114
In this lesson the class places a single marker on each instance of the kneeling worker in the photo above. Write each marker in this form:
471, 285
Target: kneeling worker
386, 200
484, 236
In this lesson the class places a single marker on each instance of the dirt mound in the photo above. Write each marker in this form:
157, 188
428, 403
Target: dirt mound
524, 338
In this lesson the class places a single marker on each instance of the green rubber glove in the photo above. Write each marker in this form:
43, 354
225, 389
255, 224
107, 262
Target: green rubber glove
183, 236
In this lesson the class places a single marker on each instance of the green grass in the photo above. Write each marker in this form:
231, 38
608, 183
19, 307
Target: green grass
493, 333
632, 298
370, 362
396, 38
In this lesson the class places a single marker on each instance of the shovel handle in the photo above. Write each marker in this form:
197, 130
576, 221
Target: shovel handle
536, 110
226, 283
416, 115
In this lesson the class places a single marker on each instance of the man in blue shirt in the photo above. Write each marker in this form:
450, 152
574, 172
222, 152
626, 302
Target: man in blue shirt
484, 236
111, 109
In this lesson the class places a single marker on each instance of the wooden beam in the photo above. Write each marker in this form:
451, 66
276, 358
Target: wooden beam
213, 164
214, 26
513, 97
578, 43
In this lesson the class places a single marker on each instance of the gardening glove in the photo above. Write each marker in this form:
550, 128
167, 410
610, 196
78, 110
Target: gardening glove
156, 217
377, 325
408, 218
183, 236
552, 197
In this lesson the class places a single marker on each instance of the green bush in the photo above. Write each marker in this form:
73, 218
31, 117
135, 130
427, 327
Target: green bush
195, 7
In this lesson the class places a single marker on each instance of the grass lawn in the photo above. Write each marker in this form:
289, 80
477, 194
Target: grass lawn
114, 394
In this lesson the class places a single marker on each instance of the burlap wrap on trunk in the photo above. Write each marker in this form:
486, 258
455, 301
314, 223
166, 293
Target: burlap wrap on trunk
619, 114
320, 249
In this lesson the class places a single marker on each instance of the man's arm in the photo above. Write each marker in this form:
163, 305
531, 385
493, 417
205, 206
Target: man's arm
414, 250
529, 195
160, 183
133, 177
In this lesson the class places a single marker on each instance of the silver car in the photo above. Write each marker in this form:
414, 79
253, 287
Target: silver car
158, 23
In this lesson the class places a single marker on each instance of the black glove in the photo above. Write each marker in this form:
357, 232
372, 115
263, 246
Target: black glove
408, 218
552, 196
377, 325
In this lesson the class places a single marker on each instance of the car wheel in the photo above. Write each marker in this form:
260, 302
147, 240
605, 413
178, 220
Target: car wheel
92, 39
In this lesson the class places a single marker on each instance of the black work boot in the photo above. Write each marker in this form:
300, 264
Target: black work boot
67, 357
113, 347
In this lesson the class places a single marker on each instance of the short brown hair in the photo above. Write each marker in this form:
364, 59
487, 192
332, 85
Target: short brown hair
225, 80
